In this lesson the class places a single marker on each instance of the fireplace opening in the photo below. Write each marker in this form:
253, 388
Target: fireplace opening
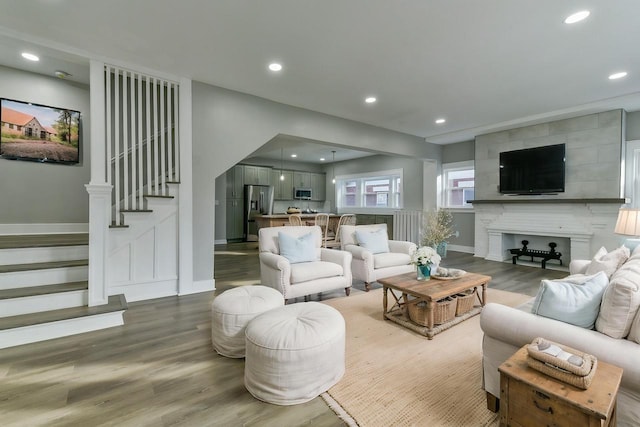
539, 247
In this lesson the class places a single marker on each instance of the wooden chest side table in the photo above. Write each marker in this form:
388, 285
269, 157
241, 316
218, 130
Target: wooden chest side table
530, 398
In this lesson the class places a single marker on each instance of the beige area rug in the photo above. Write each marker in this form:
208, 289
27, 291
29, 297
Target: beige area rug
396, 377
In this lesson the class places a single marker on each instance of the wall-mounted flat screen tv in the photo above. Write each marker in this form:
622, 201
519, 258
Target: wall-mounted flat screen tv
533, 170
39, 132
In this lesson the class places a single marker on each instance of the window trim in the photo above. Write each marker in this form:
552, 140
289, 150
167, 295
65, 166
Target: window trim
442, 193
371, 175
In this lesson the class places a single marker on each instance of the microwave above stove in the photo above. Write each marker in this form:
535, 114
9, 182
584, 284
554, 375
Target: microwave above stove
302, 193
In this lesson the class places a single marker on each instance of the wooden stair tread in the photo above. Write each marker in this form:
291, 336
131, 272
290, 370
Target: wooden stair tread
43, 290
43, 265
135, 210
116, 303
43, 240
158, 196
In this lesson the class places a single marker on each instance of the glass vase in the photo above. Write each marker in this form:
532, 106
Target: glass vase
424, 272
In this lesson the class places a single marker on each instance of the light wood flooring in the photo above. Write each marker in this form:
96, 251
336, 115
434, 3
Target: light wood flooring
159, 369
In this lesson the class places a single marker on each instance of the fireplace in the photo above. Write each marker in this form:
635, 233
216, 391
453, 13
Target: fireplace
578, 227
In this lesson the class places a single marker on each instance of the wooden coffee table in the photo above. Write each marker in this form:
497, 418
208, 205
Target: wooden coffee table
429, 291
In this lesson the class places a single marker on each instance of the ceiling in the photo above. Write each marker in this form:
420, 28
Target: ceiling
483, 65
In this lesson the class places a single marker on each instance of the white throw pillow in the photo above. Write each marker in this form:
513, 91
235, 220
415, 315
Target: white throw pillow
375, 241
297, 249
608, 262
574, 299
621, 300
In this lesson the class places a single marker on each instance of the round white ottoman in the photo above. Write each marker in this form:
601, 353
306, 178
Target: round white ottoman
294, 353
233, 309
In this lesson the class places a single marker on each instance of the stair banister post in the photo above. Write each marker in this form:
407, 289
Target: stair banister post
99, 190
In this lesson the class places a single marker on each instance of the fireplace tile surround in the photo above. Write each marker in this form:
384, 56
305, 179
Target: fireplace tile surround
578, 227
582, 218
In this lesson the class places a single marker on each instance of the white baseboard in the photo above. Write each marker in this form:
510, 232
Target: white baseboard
220, 242
146, 290
53, 228
62, 328
459, 248
199, 286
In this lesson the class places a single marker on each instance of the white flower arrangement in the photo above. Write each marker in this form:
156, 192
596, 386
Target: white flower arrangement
425, 255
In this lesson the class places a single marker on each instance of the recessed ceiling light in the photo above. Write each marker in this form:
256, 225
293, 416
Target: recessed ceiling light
294, 155
577, 17
274, 66
322, 159
30, 56
370, 99
61, 74
440, 121
619, 75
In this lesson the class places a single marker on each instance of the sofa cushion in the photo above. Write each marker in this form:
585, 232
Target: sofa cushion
621, 300
303, 272
634, 332
298, 249
390, 259
607, 261
574, 299
375, 241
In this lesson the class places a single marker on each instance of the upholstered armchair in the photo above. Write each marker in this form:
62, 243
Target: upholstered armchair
374, 255
293, 262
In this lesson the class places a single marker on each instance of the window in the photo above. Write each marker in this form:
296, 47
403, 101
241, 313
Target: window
371, 190
457, 185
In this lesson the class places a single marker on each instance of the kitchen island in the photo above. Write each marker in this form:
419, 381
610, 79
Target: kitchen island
279, 220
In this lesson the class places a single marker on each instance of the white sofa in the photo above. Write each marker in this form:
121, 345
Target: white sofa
507, 329
369, 267
330, 269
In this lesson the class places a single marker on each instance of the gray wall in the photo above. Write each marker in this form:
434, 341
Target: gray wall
633, 126
593, 152
459, 152
33, 192
228, 126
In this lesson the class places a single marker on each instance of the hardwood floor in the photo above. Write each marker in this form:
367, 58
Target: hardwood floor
159, 369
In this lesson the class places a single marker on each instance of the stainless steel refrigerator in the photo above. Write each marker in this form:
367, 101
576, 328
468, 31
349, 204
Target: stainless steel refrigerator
258, 200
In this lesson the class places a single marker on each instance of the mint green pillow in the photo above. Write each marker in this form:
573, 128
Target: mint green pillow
574, 299
297, 249
375, 241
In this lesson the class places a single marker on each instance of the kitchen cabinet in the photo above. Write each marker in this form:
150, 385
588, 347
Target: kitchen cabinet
302, 179
235, 182
257, 175
235, 219
283, 190
318, 186
364, 219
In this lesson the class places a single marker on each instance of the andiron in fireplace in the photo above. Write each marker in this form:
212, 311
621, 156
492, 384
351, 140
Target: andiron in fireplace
536, 253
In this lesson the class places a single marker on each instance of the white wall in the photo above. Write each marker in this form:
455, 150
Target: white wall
32, 192
228, 126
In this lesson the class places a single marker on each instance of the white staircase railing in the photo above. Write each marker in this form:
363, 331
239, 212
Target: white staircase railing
142, 143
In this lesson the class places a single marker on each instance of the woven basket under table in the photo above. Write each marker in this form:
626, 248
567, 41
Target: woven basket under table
445, 310
465, 301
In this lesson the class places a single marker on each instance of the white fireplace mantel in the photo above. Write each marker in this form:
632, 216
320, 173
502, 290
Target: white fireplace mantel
586, 225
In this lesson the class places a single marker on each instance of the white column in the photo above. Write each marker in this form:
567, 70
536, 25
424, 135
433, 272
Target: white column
97, 116
99, 191
186, 284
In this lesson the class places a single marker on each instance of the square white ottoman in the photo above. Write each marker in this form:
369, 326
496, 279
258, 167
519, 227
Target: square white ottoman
294, 353
233, 309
